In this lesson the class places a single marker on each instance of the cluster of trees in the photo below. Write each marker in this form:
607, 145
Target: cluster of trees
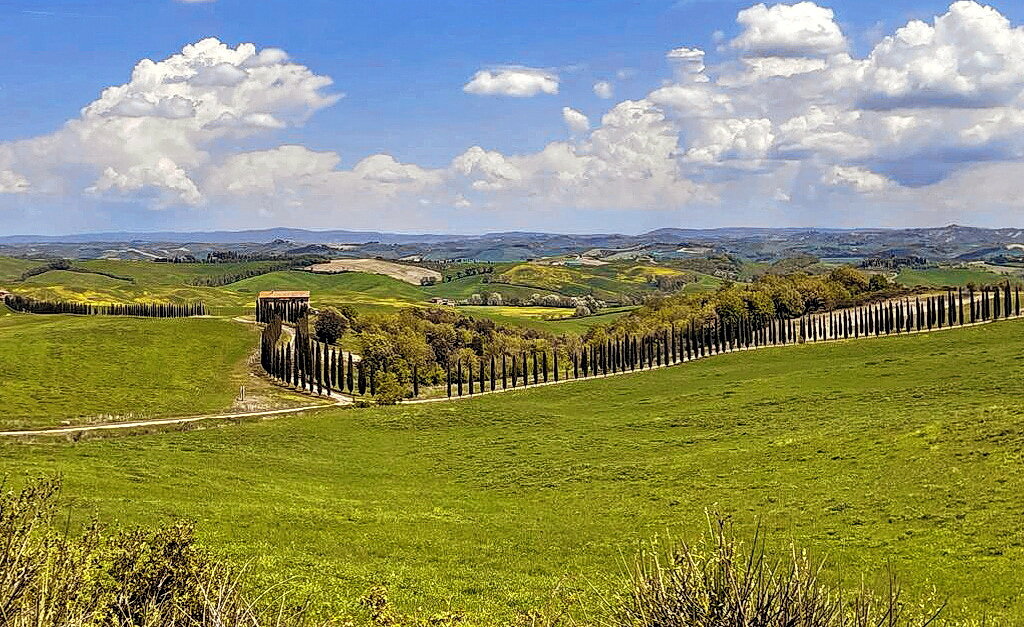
150, 310
894, 262
279, 264
670, 282
56, 264
332, 322
233, 277
583, 305
289, 310
468, 271
767, 297
230, 256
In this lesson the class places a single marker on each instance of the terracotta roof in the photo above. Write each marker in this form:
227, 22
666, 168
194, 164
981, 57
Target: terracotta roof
283, 294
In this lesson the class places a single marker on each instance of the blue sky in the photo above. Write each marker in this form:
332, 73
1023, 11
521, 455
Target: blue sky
402, 69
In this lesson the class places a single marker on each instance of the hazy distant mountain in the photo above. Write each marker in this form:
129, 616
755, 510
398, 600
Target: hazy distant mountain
948, 242
225, 237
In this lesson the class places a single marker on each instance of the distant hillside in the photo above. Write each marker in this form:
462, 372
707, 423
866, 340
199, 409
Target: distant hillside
760, 244
224, 237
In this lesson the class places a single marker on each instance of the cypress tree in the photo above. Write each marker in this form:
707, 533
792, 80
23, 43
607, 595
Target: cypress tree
504, 373
342, 373
415, 381
327, 368
459, 372
515, 371
362, 378
319, 373
554, 355
469, 365
494, 374
448, 376
575, 365
351, 387
534, 356
373, 382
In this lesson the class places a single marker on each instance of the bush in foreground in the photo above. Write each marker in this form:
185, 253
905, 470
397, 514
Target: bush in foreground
161, 578
721, 583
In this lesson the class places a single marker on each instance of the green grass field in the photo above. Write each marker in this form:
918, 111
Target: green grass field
461, 289
533, 317
900, 451
160, 282
74, 369
604, 282
950, 277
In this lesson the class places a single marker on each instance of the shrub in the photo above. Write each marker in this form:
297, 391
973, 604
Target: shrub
389, 390
138, 577
719, 582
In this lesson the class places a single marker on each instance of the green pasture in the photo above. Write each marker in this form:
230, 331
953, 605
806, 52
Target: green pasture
556, 320
11, 269
606, 282
74, 369
160, 282
461, 289
899, 452
951, 277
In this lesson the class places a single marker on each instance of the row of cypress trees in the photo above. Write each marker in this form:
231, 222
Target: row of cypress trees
289, 310
315, 367
150, 310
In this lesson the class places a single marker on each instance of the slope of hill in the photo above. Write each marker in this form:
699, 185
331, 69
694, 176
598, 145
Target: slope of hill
762, 244
81, 369
896, 452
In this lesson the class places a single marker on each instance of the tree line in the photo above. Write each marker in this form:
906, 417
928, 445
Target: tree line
279, 263
493, 361
64, 264
316, 367
150, 310
233, 277
289, 310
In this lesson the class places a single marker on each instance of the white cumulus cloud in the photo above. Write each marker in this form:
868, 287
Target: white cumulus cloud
604, 90
576, 121
519, 82
788, 30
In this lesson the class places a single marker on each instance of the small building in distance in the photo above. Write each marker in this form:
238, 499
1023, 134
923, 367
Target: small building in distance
289, 305
447, 302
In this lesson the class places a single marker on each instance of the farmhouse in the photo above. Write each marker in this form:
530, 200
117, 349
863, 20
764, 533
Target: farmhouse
443, 301
289, 305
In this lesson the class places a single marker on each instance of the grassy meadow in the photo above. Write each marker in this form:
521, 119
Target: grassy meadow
951, 277
160, 282
900, 451
604, 281
76, 369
